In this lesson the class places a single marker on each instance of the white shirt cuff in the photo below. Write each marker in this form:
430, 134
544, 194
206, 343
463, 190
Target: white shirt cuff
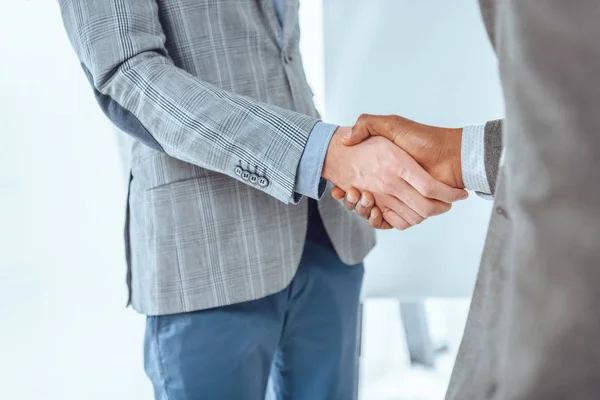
473, 159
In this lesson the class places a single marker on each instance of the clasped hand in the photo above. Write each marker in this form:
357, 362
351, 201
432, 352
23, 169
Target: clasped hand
395, 172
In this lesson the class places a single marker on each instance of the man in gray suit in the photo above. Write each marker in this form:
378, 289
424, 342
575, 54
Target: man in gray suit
241, 279
532, 330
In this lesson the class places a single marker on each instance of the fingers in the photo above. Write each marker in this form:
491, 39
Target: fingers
427, 185
395, 220
397, 213
377, 221
400, 208
338, 193
400, 215
409, 208
365, 205
351, 199
415, 201
375, 125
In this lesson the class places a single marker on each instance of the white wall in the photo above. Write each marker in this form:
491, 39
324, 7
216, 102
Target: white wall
64, 331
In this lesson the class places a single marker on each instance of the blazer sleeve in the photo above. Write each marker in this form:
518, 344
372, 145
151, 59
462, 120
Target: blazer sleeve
493, 151
121, 46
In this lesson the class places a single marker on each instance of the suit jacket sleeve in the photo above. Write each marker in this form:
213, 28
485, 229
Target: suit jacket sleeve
121, 46
493, 151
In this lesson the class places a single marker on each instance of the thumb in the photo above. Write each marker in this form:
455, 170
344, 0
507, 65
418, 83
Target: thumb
338, 193
355, 135
371, 125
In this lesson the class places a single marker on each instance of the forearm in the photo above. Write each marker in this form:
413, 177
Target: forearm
173, 111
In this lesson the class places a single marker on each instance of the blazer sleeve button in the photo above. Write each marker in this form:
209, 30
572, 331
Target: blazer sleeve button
263, 182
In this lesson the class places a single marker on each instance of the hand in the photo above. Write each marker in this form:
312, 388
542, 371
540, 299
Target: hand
436, 149
378, 166
402, 219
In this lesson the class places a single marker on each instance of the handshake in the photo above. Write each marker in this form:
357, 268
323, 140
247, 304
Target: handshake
395, 172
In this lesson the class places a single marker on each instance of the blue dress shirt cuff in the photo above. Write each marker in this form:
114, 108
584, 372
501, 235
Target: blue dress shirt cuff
308, 178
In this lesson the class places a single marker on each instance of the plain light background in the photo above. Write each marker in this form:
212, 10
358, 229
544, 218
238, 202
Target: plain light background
64, 330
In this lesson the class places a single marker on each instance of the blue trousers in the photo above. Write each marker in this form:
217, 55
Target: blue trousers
302, 339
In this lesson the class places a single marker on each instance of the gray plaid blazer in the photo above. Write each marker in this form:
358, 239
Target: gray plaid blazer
221, 113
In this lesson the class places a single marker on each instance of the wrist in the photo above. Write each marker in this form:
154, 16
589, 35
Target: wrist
333, 156
454, 150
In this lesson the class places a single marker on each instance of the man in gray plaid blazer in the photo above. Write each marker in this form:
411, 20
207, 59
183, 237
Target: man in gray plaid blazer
241, 279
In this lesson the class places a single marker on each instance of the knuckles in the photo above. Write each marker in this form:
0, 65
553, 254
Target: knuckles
431, 209
428, 209
427, 189
363, 118
417, 220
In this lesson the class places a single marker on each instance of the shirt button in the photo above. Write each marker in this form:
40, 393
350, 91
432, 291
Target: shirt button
245, 175
263, 182
238, 170
253, 178
501, 211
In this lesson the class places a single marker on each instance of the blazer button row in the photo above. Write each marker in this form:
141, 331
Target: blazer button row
251, 177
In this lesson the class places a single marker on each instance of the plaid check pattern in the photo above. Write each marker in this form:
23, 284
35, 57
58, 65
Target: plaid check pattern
210, 85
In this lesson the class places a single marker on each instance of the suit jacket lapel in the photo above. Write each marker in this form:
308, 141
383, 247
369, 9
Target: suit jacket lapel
271, 18
488, 12
290, 20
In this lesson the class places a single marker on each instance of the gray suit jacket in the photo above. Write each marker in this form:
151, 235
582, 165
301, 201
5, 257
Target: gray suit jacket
208, 93
532, 330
